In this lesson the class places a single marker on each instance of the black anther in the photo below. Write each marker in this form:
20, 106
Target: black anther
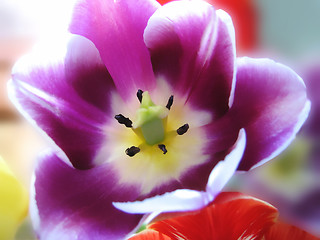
139, 95
132, 151
163, 148
123, 120
183, 129
170, 101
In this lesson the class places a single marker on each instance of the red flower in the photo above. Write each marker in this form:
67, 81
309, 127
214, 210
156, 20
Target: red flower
230, 216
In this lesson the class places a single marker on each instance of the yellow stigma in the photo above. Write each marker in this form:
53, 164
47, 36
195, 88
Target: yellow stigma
150, 120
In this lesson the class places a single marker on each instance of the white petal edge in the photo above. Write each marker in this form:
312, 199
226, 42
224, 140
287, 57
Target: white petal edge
188, 200
33, 209
224, 170
226, 19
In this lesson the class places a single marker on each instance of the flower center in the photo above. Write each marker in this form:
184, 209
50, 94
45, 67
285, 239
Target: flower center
150, 123
150, 144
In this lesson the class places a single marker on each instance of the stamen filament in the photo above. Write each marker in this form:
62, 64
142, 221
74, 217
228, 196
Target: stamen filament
183, 129
123, 120
132, 151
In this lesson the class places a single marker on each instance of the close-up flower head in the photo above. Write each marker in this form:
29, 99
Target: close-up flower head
147, 110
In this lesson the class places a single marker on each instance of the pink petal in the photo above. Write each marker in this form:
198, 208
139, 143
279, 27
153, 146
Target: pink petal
64, 88
68, 203
192, 47
271, 104
116, 28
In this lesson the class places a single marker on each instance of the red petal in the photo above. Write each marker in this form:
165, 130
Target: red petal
150, 235
285, 231
163, 1
245, 19
232, 217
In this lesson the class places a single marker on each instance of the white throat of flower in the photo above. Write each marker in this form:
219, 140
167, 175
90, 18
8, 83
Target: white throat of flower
157, 146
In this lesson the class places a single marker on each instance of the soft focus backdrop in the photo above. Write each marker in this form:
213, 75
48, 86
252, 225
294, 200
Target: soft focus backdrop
287, 31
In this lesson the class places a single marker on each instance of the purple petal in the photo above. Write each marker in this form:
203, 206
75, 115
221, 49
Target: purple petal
311, 77
192, 47
271, 104
188, 200
224, 170
65, 89
220, 136
116, 28
68, 203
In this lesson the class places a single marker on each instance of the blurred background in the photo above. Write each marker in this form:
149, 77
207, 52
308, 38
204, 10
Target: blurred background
287, 31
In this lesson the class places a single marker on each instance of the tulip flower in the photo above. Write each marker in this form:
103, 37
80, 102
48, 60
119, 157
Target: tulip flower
13, 202
148, 110
231, 216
